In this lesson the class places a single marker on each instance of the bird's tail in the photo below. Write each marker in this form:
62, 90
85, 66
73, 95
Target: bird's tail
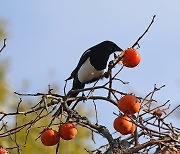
76, 85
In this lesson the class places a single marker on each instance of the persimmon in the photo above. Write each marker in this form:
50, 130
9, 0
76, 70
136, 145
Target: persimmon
67, 131
124, 125
131, 58
50, 137
129, 104
3, 150
133, 128
158, 113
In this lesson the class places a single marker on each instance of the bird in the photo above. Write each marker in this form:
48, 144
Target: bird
91, 67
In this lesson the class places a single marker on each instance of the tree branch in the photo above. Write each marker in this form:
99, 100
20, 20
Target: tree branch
4, 45
136, 43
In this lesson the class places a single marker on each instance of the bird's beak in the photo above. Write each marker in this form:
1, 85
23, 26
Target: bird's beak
120, 51
119, 56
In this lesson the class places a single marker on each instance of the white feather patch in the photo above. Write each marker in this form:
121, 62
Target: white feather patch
87, 72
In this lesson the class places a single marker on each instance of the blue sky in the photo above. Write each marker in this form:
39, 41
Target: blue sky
46, 39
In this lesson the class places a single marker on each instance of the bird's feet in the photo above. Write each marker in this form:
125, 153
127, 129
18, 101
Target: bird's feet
106, 74
110, 66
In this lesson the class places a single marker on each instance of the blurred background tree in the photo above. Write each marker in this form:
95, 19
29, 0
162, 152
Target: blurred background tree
3, 24
9, 102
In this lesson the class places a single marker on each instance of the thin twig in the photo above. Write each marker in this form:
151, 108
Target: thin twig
136, 43
4, 45
96, 113
171, 111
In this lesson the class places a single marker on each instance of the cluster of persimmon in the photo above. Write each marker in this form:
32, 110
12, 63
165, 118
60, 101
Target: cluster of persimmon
128, 104
50, 137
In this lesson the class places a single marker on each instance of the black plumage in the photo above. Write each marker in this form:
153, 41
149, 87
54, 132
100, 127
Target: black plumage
91, 66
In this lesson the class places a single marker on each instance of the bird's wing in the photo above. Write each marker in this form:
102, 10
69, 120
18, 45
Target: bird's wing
83, 58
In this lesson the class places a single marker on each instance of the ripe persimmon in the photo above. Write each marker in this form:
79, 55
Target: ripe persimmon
131, 58
3, 150
67, 131
133, 128
124, 125
50, 137
129, 104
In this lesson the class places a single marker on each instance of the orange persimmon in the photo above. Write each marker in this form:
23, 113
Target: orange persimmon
67, 131
131, 58
129, 104
124, 125
3, 150
50, 137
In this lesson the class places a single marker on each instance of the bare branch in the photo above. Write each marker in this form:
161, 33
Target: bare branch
137, 42
4, 45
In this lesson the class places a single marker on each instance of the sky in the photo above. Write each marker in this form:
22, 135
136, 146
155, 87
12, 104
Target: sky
46, 39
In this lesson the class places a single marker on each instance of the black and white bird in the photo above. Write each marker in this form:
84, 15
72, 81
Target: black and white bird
91, 66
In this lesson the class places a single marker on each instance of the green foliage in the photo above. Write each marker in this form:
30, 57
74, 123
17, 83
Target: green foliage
28, 143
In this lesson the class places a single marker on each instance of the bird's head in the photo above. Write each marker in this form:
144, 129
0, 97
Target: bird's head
110, 47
